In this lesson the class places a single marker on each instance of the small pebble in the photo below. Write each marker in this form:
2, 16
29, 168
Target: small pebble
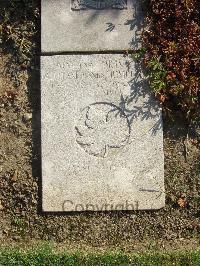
15, 176
27, 117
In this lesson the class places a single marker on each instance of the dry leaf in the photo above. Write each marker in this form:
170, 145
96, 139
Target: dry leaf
182, 202
160, 97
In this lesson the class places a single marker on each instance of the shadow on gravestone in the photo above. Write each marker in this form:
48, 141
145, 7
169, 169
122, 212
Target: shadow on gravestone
140, 88
87, 27
136, 23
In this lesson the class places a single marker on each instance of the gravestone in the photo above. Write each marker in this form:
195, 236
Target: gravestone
102, 136
89, 25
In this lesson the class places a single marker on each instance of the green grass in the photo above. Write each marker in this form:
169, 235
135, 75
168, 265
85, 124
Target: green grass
46, 256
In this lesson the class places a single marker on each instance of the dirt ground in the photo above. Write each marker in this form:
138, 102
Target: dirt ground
176, 226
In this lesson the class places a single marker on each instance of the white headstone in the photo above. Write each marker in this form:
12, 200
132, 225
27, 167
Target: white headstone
90, 25
102, 137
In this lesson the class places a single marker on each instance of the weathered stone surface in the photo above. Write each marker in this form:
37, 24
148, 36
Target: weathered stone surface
90, 25
102, 138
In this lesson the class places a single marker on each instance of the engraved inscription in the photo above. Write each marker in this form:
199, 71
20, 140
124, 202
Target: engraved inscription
83, 71
102, 129
77, 5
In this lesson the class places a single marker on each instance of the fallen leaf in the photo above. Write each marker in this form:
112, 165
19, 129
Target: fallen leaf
160, 97
182, 202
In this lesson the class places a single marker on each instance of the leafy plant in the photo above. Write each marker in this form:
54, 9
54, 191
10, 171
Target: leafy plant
157, 73
172, 57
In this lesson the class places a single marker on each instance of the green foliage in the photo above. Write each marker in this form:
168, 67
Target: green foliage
139, 54
46, 256
19, 226
172, 58
157, 73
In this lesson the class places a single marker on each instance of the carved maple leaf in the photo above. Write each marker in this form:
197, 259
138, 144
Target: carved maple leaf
102, 127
